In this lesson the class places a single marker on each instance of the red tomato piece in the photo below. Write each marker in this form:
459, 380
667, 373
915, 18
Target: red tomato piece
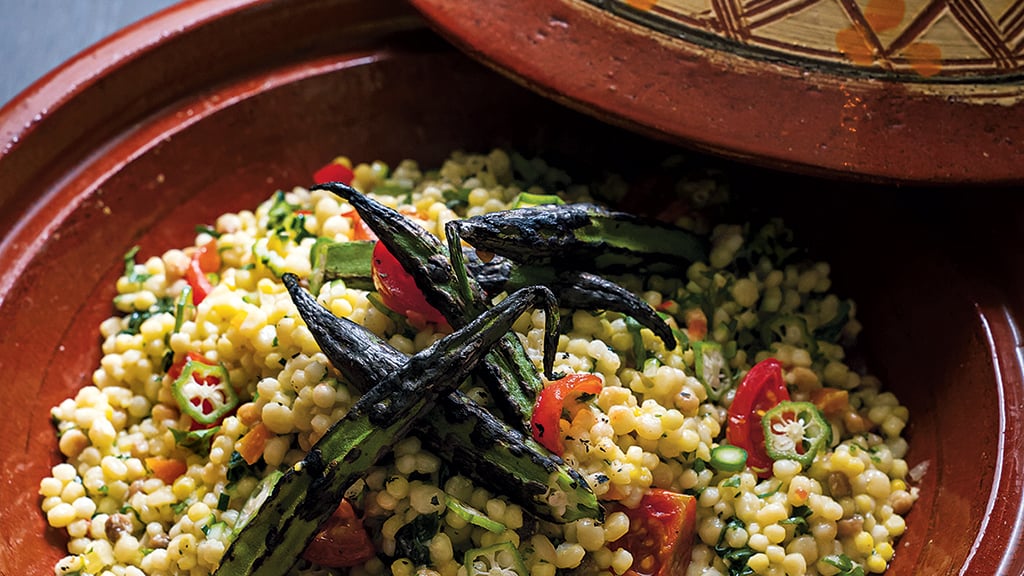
204, 260
762, 388
360, 230
661, 533
334, 172
398, 289
342, 541
174, 372
552, 401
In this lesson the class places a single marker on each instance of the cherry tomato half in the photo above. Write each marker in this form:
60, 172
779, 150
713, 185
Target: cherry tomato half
334, 172
341, 542
762, 388
398, 289
547, 411
661, 533
204, 260
360, 229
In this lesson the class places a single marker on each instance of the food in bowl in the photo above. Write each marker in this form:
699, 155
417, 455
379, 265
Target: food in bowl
699, 416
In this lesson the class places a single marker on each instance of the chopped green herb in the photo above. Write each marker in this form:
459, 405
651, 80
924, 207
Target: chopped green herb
456, 197
639, 352
412, 541
180, 507
799, 520
181, 307
844, 564
735, 558
279, 211
238, 468
127, 508
129, 267
204, 229
197, 441
136, 318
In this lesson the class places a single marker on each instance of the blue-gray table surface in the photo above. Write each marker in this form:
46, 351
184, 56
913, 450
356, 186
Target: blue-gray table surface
36, 36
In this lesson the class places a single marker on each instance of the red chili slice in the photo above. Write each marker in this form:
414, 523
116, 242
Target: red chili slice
762, 389
552, 401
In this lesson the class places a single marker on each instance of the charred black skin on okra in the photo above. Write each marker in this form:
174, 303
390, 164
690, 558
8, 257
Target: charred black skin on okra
584, 237
309, 492
479, 444
509, 462
508, 372
574, 289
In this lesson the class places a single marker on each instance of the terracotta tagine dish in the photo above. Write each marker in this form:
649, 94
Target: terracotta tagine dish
211, 107
895, 89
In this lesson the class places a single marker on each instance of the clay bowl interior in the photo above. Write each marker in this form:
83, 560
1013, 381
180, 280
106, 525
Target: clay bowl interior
125, 160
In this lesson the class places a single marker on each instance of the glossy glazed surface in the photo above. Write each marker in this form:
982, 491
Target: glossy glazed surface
110, 152
819, 87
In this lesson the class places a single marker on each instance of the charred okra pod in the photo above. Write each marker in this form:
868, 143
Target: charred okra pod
480, 445
583, 237
308, 493
574, 289
508, 371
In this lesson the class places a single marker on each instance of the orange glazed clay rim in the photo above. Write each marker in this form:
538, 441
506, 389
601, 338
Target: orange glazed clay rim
29, 111
769, 112
18, 123
995, 552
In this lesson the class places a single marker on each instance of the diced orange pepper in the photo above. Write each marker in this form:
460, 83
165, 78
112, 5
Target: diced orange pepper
166, 469
251, 446
831, 401
696, 323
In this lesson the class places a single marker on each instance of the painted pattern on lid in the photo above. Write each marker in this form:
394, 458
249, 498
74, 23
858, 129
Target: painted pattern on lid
942, 40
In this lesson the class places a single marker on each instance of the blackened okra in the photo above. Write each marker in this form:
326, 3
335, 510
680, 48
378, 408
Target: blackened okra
479, 444
574, 289
584, 237
308, 493
507, 372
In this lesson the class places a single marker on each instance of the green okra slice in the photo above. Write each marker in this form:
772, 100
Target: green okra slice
346, 261
479, 444
508, 372
308, 493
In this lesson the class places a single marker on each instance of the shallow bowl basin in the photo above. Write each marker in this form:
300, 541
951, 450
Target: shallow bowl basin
211, 107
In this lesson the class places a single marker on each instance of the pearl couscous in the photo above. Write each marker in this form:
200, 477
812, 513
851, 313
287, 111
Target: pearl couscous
148, 486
